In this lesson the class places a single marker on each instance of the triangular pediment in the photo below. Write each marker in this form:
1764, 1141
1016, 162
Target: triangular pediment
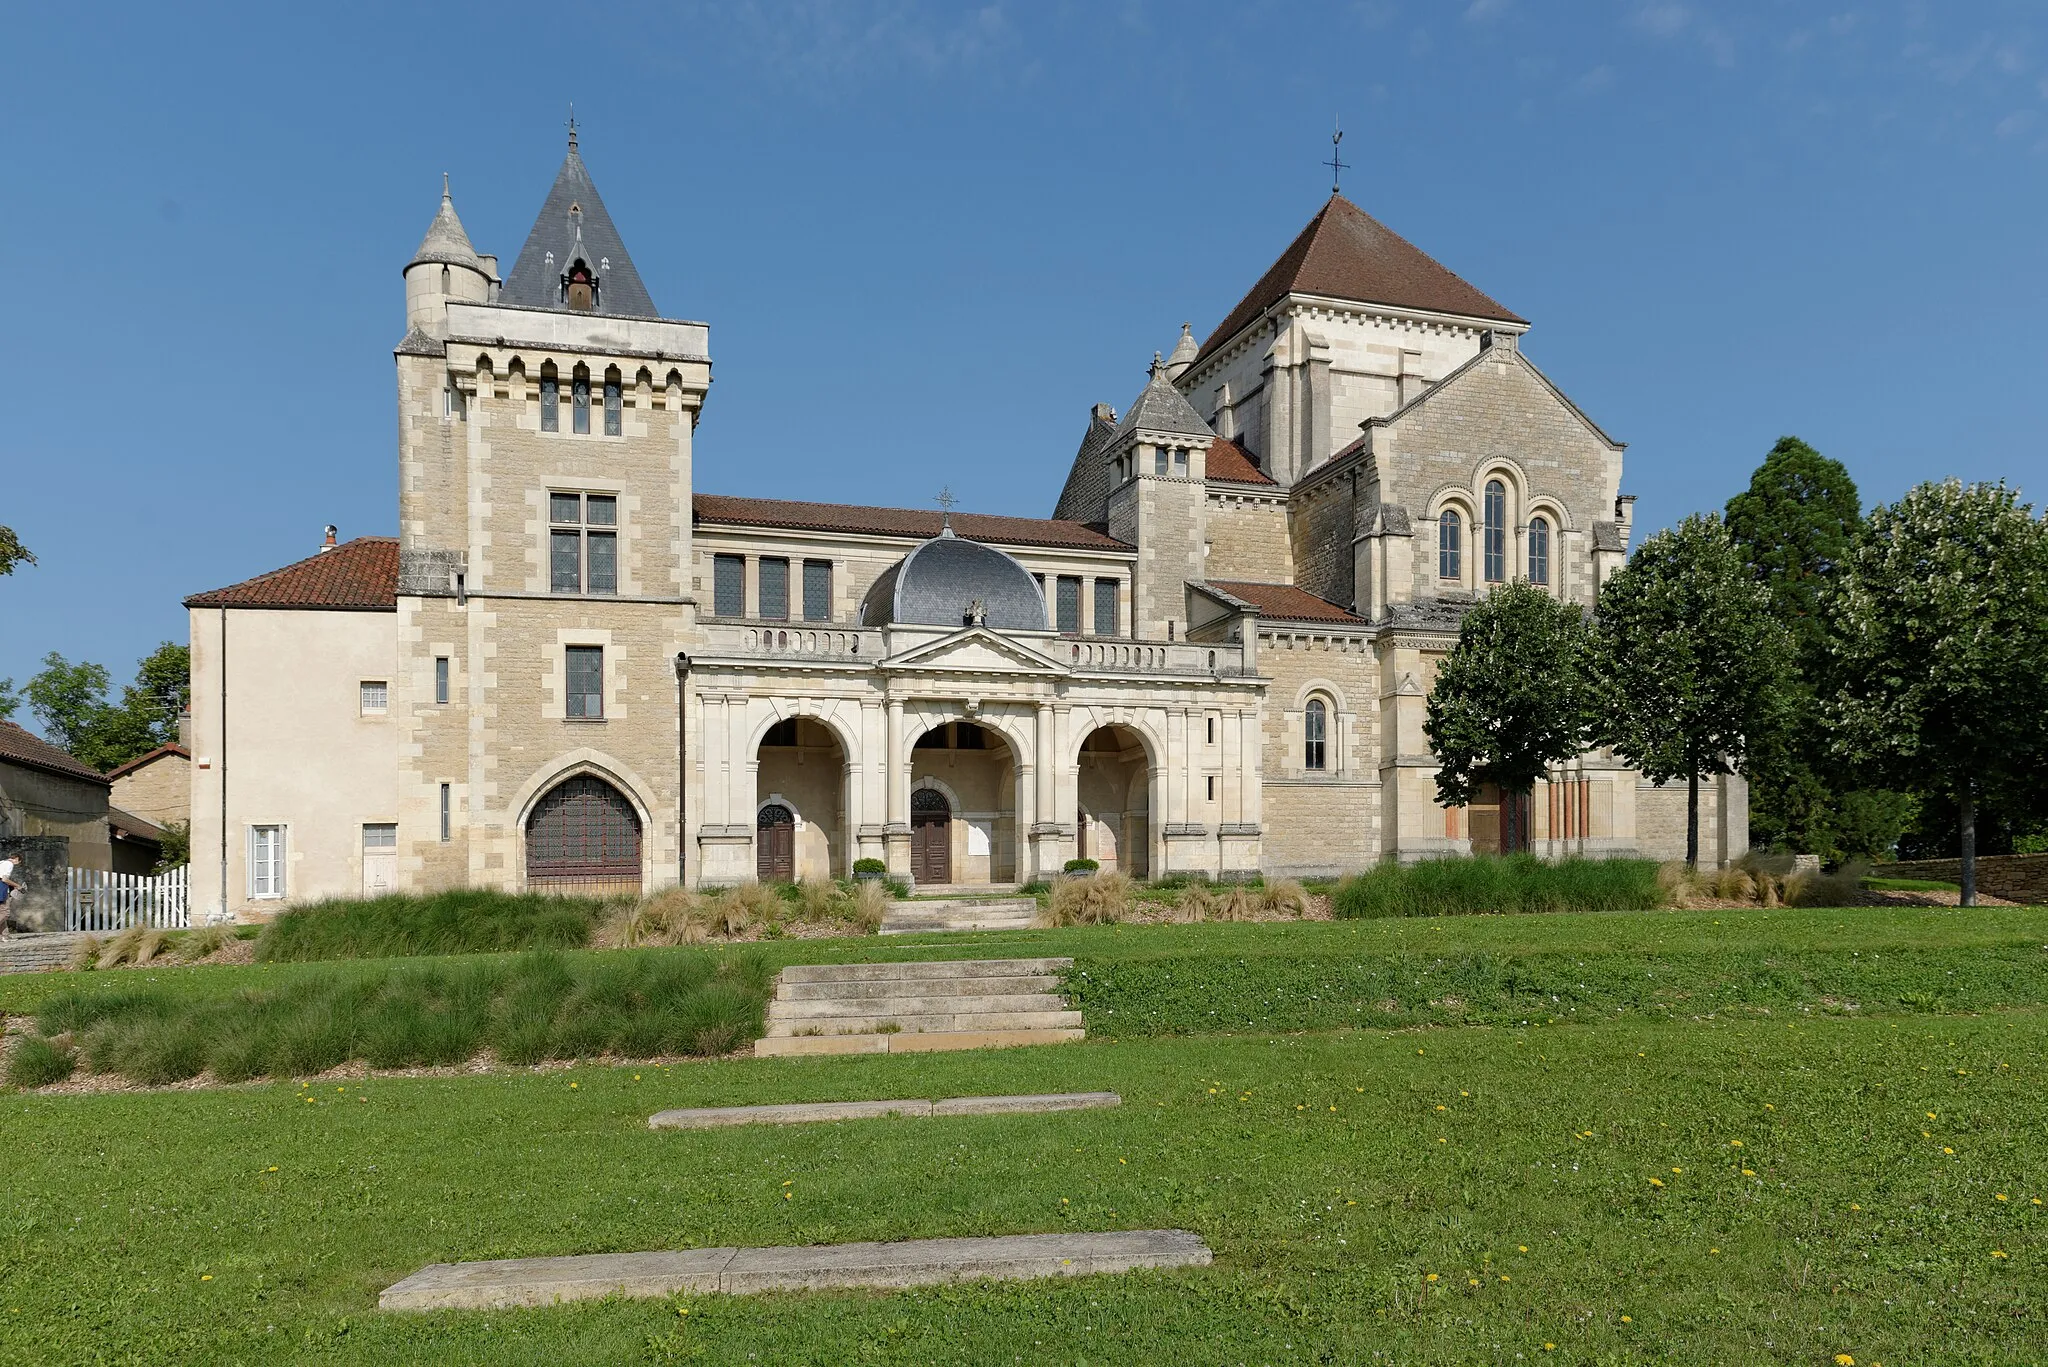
974, 650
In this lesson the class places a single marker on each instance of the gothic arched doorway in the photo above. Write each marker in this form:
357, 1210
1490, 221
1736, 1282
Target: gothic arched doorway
931, 837
775, 844
583, 836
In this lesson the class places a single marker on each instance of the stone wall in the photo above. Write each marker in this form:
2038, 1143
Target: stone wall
2014, 877
42, 861
159, 791
1248, 539
37, 802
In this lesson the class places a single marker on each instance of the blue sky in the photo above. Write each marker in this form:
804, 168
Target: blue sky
927, 236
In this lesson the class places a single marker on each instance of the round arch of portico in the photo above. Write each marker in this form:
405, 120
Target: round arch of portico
940, 786
1083, 722
596, 764
916, 725
849, 739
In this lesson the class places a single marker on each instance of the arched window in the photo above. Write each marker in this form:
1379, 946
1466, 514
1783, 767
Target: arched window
550, 398
1450, 545
1315, 727
584, 833
1496, 531
1539, 551
580, 400
613, 400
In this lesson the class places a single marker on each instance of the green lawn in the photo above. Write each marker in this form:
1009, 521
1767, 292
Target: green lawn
1868, 1227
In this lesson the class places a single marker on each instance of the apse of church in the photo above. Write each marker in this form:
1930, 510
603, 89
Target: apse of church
1212, 658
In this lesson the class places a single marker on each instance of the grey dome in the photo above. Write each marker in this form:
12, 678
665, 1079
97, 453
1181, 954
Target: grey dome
938, 583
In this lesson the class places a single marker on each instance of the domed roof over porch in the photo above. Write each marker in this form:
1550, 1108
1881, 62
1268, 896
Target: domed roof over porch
950, 581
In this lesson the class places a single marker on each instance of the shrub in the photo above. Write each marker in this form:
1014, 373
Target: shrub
744, 909
1083, 865
869, 866
532, 1007
1286, 897
468, 921
867, 906
1098, 899
86, 955
122, 948
818, 899
1842, 888
1494, 883
204, 941
38, 1062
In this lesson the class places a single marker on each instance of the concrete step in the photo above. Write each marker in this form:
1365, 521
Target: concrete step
923, 969
920, 1005
39, 952
1055, 1018
1021, 985
930, 1042
513, 1282
924, 917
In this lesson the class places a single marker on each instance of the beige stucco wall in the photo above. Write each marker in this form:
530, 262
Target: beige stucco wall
293, 749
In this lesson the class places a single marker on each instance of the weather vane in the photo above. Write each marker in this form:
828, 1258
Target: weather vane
1336, 163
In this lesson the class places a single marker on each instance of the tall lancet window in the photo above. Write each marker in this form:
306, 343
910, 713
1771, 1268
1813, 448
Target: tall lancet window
580, 399
550, 399
1315, 725
1450, 546
1496, 531
1539, 551
613, 400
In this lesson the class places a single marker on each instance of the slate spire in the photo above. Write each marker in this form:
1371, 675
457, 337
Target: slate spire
572, 226
445, 241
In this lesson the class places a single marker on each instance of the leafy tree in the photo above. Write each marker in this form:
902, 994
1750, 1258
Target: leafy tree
177, 846
1511, 700
9, 699
1692, 658
1940, 638
12, 552
1796, 525
71, 702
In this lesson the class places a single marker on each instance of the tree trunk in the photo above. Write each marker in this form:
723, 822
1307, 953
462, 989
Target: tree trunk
1692, 819
1969, 843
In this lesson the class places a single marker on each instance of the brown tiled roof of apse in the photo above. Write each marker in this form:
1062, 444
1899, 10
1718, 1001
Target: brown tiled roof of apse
1285, 602
911, 522
1346, 253
356, 576
21, 747
1229, 461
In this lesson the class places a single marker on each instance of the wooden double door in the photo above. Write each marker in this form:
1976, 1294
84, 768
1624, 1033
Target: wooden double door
931, 837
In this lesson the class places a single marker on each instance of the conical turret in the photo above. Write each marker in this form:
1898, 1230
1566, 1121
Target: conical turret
446, 267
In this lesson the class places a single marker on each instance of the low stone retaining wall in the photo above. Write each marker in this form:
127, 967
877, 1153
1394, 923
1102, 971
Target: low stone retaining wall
2015, 877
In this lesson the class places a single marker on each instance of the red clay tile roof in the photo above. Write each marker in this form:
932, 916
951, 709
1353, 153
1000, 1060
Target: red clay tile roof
132, 765
1228, 460
356, 576
1345, 253
21, 747
1285, 602
918, 522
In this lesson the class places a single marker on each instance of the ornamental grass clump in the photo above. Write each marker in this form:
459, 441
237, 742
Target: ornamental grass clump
1098, 899
1481, 884
867, 905
467, 921
522, 1010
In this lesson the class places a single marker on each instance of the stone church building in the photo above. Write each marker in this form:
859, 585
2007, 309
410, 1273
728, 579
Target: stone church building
572, 670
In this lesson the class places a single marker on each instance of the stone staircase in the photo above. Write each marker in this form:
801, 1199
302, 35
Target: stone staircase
39, 952
959, 913
918, 1007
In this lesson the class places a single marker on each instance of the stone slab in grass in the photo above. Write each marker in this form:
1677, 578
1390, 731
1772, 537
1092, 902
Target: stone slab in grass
513, 1282
810, 1112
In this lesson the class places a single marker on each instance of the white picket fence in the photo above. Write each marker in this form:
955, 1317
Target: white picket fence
95, 899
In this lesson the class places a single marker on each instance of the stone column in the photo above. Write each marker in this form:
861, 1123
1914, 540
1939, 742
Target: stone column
896, 780
1046, 829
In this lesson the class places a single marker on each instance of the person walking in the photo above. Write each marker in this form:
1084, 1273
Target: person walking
8, 887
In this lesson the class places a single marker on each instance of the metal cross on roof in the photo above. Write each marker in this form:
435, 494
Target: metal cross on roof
945, 500
1336, 163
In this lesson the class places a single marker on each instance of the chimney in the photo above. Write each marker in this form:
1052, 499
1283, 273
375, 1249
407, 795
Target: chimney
1102, 412
328, 544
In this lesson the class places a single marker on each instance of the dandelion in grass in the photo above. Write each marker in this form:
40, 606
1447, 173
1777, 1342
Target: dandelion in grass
1735, 1143
1472, 1281
1947, 1150
1998, 1253
1626, 1320
1749, 1172
1713, 1250
1430, 1278
1844, 1360
1521, 1248
206, 1277
1999, 1197
1656, 1181
1853, 1206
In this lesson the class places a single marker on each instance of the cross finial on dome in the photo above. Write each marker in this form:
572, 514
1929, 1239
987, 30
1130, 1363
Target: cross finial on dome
572, 125
945, 500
